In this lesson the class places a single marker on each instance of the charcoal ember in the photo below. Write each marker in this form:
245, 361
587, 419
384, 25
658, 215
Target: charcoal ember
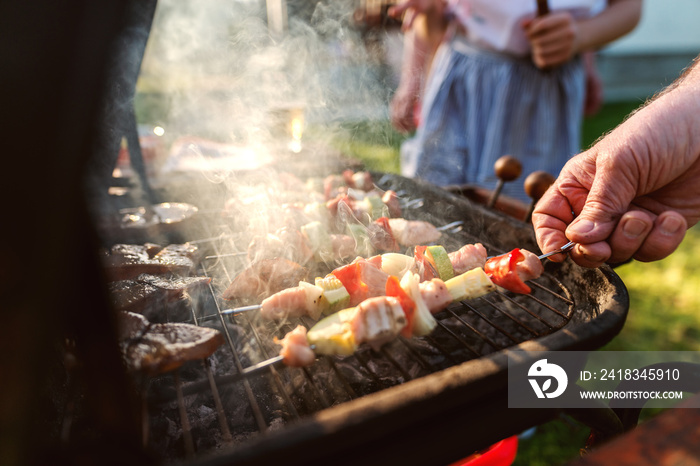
240, 399
429, 352
330, 382
383, 369
303, 391
459, 337
412, 363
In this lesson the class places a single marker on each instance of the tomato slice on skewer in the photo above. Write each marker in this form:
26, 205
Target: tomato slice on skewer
501, 270
362, 279
350, 276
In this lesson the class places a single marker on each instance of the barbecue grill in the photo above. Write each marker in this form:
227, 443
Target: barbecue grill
429, 400
420, 401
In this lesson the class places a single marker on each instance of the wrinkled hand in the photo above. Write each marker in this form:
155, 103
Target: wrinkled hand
634, 193
553, 38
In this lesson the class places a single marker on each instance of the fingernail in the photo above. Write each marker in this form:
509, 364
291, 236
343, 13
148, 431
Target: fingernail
670, 225
589, 257
633, 227
581, 227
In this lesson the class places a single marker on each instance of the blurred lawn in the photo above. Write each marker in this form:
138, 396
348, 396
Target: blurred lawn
664, 310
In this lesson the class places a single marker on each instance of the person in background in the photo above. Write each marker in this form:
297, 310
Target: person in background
501, 81
636, 191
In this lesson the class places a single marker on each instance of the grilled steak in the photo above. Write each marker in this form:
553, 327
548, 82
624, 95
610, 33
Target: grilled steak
128, 261
158, 348
151, 294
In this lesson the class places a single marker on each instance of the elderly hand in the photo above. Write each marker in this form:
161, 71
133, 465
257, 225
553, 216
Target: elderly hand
634, 193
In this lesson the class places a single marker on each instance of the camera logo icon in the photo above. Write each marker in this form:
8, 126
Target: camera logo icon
544, 372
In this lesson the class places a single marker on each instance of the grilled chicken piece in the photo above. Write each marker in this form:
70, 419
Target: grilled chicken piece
295, 348
435, 295
290, 302
126, 261
377, 321
530, 268
158, 348
468, 257
413, 232
264, 278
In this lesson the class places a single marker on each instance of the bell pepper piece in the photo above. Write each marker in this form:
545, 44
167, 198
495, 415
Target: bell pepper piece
393, 288
502, 271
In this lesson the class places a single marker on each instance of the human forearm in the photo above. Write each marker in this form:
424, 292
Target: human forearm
618, 19
421, 41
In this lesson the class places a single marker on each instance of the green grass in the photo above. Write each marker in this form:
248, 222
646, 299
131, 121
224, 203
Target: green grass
375, 144
664, 301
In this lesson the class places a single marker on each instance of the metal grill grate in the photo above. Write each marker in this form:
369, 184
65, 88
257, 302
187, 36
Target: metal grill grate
278, 395
228, 405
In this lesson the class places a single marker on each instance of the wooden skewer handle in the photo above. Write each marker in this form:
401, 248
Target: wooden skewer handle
535, 186
507, 168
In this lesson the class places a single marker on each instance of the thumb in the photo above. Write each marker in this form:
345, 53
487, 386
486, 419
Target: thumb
608, 199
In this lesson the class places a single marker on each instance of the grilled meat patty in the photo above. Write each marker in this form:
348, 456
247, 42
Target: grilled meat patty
158, 348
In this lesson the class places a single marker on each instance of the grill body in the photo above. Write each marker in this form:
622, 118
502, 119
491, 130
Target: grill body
430, 400
458, 405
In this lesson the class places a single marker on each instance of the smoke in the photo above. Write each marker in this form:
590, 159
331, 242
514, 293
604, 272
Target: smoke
220, 73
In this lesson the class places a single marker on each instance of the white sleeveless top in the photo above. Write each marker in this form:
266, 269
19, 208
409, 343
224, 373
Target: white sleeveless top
497, 24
